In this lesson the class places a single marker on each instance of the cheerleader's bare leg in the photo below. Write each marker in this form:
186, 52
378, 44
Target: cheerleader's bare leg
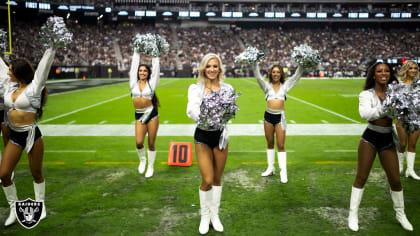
219, 162
269, 136
281, 154
6, 134
411, 155
152, 128
389, 162
205, 157
10, 159
36, 156
366, 155
402, 136
140, 132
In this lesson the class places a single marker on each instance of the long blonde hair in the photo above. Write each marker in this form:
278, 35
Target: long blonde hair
203, 65
402, 75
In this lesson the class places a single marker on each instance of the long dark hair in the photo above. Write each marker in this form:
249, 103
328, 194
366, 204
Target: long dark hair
370, 76
24, 72
270, 73
155, 100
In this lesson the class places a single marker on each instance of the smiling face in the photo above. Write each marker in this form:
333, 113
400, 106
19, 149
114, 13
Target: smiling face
412, 71
143, 73
212, 70
382, 74
276, 74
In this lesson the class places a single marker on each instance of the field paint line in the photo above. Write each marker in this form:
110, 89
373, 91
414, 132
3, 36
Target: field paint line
259, 163
84, 108
324, 109
260, 121
45, 163
111, 163
292, 121
102, 122
341, 150
235, 151
166, 122
77, 90
335, 162
71, 122
76, 151
187, 130
324, 122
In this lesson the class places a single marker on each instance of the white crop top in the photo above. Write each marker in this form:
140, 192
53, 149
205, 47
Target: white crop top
30, 99
149, 90
268, 89
370, 107
4, 80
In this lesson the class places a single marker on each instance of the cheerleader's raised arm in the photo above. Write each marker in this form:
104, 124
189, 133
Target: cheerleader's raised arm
34, 89
135, 62
155, 76
292, 81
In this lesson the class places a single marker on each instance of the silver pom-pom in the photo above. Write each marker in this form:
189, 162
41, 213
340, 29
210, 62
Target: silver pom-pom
54, 33
305, 56
403, 103
3, 40
251, 55
150, 44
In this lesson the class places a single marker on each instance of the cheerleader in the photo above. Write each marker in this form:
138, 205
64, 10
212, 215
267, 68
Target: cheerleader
274, 117
24, 99
377, 138
210, 156
409, 72
143, 83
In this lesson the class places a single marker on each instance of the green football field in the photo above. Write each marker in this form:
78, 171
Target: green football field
93, 187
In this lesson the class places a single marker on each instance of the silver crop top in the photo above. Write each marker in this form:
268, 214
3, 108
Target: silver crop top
149, 90
268, 89
30, 99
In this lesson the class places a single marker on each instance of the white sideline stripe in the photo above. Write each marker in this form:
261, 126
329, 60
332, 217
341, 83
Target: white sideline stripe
83, 108
340, 150
242, 151
292, 121
188, 130
71, 122
324, 121
324, 109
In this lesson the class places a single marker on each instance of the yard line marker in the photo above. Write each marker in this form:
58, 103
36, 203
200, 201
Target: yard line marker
111, 163
335, 162
259, 162
71, 122
45, 163
84, 108
324, 109
102, 122
341, 150
292, 121
324, 121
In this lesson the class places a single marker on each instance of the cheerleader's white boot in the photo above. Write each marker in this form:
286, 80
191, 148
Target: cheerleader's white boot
206, 198
283, 166
398, 200
411, 157
40, 197
11, 196
270, 160
142, 157
214, 209
151, 155
401, 156
356, 197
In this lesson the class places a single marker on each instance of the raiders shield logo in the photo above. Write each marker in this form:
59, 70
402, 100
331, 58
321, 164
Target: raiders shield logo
28, 212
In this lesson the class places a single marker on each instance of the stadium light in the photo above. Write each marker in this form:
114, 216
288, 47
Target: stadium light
395, 15
353, 15
108, 9
44, 6
12, 3
150, 13
68, 15
253, 14
280, 14
211, 14
363, 15
269, 14
167, 13
406, 15
194, 14
295, 14
321, 15
139, 13
337, 15
183, 13
379, 15
237, 14
100, 17
32, 5
227, 14
311, 15
63, 7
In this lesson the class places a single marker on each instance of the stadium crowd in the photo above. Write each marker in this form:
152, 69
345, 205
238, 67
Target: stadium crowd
344, 51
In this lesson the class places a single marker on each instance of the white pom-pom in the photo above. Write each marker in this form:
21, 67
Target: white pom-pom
150, 44
305, 56
54, 33
3, 40
251, 55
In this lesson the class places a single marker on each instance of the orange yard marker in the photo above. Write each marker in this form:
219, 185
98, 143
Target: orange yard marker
180, 154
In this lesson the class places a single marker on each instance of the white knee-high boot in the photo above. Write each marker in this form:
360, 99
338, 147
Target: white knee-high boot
214, 209
356, 197
398, 200
411, 157
142, 157
270, 160
206, 198
11, 196
151, 155
401, 157
40, 196
283, 166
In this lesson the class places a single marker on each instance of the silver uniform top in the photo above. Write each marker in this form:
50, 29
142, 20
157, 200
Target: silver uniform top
4, 81
30, 99
370, 107
149, 90
196, 94
268, 89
